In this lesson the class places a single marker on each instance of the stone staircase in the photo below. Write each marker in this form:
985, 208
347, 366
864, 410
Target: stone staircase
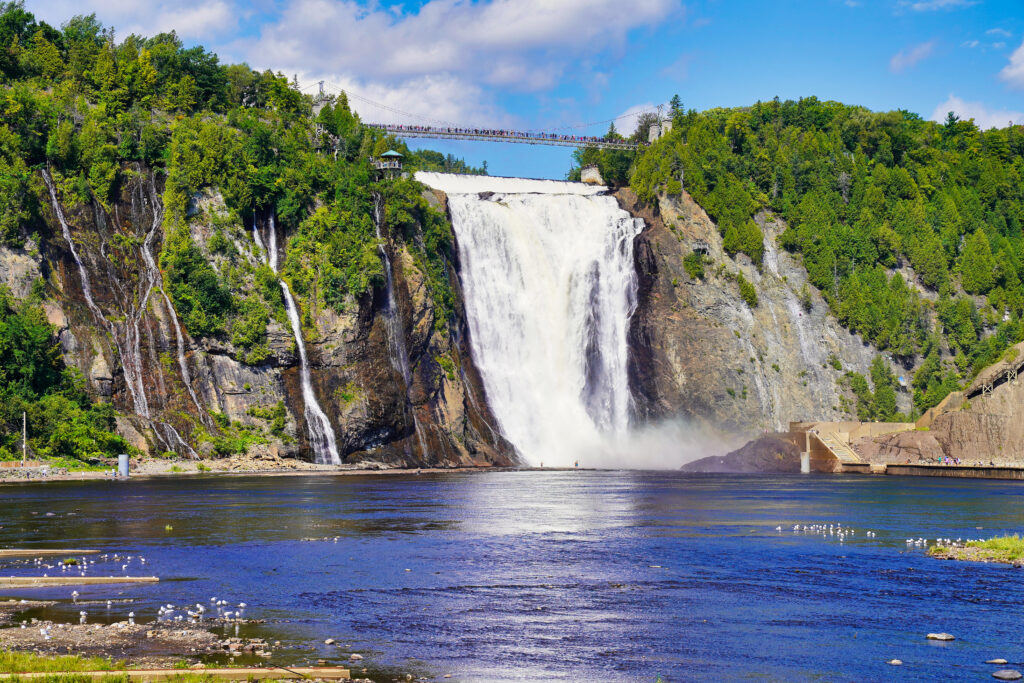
843, 452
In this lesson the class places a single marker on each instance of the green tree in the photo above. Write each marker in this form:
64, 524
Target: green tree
977, 267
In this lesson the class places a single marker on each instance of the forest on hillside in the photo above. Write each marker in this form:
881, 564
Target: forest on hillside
869, 199
96, 112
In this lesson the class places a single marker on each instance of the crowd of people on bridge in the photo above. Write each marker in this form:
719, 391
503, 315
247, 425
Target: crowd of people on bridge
497, 132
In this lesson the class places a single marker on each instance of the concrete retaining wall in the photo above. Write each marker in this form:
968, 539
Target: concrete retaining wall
961, 471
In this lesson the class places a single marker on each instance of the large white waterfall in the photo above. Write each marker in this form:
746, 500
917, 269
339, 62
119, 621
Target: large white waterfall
549, 282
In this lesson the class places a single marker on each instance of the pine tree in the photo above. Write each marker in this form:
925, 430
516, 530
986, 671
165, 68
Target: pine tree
977, 267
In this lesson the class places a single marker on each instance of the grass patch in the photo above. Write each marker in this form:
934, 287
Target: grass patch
1002, 548
28, 662
1008, 549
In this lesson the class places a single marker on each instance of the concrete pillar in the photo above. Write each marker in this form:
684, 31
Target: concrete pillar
805, 463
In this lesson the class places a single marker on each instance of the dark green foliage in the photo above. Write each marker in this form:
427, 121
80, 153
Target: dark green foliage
933, 379
878, 405
275, 415
202, 300
98, 112
694, 265
864, 193
62, 422
747, 291
429, 160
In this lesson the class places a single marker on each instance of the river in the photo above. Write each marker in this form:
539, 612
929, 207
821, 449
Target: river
558, 575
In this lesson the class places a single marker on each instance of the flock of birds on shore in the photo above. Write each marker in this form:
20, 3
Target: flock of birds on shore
835, 530
841, 533
83, 564
218, 609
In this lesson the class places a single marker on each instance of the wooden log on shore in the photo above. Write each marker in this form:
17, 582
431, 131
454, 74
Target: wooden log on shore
240, 674
37, 581
42, 552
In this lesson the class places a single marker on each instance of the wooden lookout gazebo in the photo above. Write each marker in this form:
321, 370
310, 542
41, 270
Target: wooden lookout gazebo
389, 163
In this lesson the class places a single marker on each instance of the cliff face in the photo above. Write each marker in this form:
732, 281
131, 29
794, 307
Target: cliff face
699, 351
177, 393
986, 429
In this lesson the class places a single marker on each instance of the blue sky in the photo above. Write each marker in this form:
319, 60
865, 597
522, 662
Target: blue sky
543, 64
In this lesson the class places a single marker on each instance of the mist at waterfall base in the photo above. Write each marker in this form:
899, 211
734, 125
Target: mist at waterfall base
550, 285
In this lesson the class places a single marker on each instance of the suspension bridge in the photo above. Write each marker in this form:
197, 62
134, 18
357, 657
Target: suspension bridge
497, 135
448, 130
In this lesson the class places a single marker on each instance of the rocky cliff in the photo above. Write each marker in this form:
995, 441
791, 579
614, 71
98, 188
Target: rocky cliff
701, 352
981, 425
200, 397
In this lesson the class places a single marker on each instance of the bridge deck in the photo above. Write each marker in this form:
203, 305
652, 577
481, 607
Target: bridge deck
503, 136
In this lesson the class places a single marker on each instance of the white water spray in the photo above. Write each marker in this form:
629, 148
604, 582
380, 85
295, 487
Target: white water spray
321, 433
549, 282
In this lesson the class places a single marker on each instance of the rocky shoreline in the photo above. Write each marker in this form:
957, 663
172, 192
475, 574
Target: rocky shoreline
155, 644
238, 465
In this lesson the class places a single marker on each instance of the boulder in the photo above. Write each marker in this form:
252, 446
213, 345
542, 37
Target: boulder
769, 453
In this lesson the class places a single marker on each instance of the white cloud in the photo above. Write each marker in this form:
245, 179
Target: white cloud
1013, 73
984, 117
905, 59
526, 45
192, 19
969, 43
998, 32
932, 5
627, 120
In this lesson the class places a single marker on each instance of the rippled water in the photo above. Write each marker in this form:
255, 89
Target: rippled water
551, 575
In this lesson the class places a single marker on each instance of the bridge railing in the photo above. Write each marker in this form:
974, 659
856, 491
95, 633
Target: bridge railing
489, 135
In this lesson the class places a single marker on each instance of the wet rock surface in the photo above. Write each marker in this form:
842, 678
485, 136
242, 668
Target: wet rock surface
440, 419
766, 454
699, 351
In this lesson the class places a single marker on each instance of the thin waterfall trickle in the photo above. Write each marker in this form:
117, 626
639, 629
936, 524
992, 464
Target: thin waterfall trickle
321, 433
130, 347
549, 283
147, 255
392, 316
133, 374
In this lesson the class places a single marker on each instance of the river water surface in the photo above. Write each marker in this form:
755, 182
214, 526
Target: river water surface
594, 576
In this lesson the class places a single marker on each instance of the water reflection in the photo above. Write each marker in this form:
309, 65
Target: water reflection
558, 575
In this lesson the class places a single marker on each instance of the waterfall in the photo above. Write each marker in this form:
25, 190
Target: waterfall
132, 371
321, 433
130, 351
549, 284
392, 317
156, 276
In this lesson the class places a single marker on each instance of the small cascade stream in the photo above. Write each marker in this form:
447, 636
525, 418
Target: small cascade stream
392, 316
151, 266
131, 361
129, 347
321, 433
